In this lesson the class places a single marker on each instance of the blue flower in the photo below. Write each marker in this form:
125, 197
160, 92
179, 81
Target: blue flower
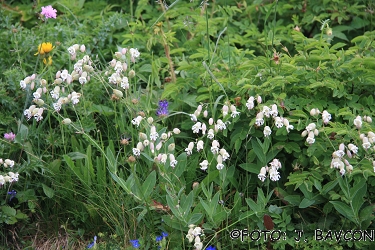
92, 243
211, 248
12, 194
164, 234
159, 238
135, 243
163, 108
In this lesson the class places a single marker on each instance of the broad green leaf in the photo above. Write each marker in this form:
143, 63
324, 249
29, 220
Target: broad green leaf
9, 211
258, 149
186, 203
293, 199
149, 185
49, 192
306, 203
344, 209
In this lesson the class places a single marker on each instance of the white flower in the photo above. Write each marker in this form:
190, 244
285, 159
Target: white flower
366, 144
75, 97
57, 106
353, 148
199, 145
314, 112
358, 122
220, 164
275, 164
189, 149
279, 122
310, 127
82, 80
266, 111
136, 152
224, 154
234, 111
9, 163
204, 165
259, 119
134, 53
193, 117
210, 134
262, 174
136, 121
310, 139
215, 147
153, 134
2, 180
38, 115
71, 50
220, 124
267, 131
176, 131
326, 116
196, 127
38, 93
225, 110
125, 83
23, 86
250, 102
118, 67
172, 161
274, 175
338, 154
274, 112
164, 158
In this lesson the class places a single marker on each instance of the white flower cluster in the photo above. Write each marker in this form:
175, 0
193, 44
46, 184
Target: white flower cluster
311, 131
273, 172
194, 235
368, 140
154, 142
10, 176
201, 127
358, 121
338, 160
268, 112
119, 66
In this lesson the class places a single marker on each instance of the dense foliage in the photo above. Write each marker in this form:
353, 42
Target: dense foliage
187, 125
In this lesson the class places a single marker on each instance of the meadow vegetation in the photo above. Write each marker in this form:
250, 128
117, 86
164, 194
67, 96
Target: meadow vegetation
187, 124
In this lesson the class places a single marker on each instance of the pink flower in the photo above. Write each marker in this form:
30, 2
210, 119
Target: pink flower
49, 12
9, 136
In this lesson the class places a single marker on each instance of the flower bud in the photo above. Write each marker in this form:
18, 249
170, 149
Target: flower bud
66, 121
123, 51
118, 54
171, 147
118, 93
259, 99
150, 120
211, 121
304, 133
142, 136
131, 73
176, 131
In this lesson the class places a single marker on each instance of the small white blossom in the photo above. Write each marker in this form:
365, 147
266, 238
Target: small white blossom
210, 134
199, 145
358, 122
172, 161
196, 127
266, 111
250, 103
234, 111
274, 174
326, 116
204, 165
279, 122
267, 131
262, 174
136, 121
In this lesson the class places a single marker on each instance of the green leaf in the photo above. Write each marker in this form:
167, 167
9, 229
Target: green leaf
357, 193
258, 149
111, 160
149, 185
49, 192
306, 203
186, 203
344, 209
293, 199
9, 211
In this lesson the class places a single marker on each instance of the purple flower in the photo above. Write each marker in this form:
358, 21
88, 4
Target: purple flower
164, 234
211, 248
135, 243
159, 238
9, 136
163, 108
49, 12
92, 243
12, 194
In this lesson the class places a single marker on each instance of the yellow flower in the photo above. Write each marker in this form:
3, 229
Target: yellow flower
47, 61
44, 48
